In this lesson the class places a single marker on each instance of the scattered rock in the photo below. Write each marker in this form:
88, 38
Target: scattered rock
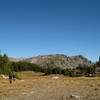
74, 96
56, 77
24, 93
4, 76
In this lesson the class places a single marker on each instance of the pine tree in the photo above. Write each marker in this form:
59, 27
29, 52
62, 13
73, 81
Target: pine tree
5, 67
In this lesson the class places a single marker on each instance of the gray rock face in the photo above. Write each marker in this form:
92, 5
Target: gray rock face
58, 60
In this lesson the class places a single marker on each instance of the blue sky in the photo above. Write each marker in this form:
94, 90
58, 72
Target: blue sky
39, 27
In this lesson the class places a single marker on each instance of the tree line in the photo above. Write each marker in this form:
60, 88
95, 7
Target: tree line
7, 67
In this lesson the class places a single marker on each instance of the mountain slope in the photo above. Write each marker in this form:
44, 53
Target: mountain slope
58, 60
16, 59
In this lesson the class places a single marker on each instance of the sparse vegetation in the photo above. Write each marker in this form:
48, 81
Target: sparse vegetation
39, 87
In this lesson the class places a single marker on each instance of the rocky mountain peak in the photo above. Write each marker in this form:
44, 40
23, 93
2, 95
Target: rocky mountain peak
57, 60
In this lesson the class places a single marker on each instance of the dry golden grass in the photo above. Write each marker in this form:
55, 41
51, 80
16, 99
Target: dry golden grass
51, 88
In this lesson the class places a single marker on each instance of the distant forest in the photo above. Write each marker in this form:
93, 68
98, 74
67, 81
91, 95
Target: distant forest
7, 67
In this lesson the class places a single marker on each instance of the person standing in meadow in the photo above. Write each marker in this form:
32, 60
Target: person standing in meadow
10, 78
13, 77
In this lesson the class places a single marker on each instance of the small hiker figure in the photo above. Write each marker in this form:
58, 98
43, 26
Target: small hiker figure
10, 78
13, 77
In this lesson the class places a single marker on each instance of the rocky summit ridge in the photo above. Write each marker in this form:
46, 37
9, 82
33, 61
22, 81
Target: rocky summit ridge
57, 60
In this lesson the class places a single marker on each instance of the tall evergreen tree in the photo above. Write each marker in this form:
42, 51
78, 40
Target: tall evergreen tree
5, 65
